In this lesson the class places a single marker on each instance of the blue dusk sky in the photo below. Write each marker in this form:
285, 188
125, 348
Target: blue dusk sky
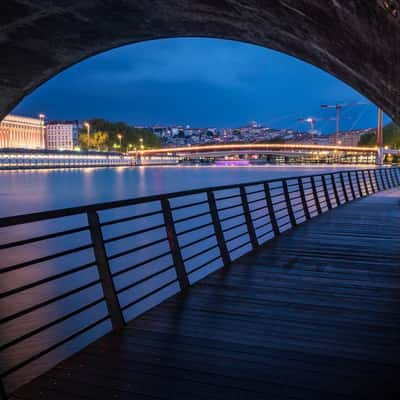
198, 82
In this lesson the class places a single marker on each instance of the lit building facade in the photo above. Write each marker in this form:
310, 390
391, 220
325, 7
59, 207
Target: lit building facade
62, 135
18, 132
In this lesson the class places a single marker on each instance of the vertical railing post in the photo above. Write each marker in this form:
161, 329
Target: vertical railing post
315, 194
382, 178
286, 194
396, 174
271, 211
335, 191
387, 178
394, 177
365, 183
353, 193
247, 216
371, 181
219, 234
326, 192
303, 199
174, 245
107, 282
344, 190
359, 184
378, 185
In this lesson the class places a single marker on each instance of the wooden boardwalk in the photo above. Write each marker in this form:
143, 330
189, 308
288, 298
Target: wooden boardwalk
314, 315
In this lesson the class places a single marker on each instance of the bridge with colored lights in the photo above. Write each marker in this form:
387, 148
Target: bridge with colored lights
304, 152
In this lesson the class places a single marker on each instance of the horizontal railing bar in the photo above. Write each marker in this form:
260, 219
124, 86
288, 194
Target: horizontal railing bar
239, 247
265, 234
189, 205
226, 197
43, 237
263, 225
47, 280
47, 302
281, 209
285, 224
130, 234
236, 236
194, 229
232, 217
256, 200
53, 347
201, 252
130, 251
260, 217
192, 217
282, 217
255, 191
204, 264
46, 258
198, 240
230, 207
131, 218
132, 303
135, 266
51, 324
235, 226
257, 209
27, 218
132, 285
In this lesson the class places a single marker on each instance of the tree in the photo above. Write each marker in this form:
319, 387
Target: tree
100, 140
391, 137
130, 135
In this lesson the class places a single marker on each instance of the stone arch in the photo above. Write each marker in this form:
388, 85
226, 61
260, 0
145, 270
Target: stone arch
357, 41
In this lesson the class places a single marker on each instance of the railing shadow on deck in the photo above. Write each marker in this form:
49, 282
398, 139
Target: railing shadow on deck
70, 276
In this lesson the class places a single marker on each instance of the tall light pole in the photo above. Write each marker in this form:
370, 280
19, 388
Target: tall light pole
311, 121
43, 140
338, 107
87, 126
141, 144
120, 141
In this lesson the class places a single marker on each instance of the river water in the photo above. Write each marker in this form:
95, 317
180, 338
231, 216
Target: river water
24, 192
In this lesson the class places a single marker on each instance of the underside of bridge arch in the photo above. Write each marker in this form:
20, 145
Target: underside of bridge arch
357, 41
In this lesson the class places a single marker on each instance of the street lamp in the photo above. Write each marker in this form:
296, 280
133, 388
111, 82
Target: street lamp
120, 141
87, 126
141, 144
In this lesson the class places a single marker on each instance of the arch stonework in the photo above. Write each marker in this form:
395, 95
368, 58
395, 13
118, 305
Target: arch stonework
358, 41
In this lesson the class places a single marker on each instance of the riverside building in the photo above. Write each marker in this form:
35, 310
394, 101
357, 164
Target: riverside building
18, 132
62, 135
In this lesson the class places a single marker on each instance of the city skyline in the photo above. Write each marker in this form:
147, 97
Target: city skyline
198, 82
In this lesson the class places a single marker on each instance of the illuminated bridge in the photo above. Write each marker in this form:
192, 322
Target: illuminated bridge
305, 152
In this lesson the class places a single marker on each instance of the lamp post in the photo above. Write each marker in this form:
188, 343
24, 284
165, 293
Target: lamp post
87, 126
43, 140
120, 141
141, 144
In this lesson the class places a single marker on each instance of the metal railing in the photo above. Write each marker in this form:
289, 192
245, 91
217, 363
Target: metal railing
70, 276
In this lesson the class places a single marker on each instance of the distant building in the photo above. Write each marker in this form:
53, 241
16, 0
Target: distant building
22, 132
349, 138
62, 135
